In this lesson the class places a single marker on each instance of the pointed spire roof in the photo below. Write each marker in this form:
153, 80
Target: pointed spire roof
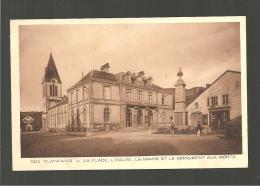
51, 71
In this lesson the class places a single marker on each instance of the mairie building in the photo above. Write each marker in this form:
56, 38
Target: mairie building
105, 100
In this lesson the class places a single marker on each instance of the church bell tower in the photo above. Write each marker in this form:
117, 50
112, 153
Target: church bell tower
180, 101
51, 86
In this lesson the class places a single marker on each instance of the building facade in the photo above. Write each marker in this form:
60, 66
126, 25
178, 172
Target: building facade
118, 100
219, 103
105, 100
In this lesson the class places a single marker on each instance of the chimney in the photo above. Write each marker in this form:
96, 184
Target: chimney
105, 67
150, 81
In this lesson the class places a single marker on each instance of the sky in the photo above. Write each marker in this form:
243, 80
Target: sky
203, 51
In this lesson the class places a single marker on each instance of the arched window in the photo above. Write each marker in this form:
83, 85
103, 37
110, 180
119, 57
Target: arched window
106, 114
53, 90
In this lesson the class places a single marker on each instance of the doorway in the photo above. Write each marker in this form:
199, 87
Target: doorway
128, 118
150, 118
139, 117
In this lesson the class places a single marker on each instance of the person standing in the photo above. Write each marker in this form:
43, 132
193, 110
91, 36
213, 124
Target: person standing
172, 128
199, 129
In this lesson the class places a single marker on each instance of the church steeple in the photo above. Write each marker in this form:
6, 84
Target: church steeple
51, 85
51, 71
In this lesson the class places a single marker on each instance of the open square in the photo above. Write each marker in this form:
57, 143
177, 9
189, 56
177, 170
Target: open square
140, 143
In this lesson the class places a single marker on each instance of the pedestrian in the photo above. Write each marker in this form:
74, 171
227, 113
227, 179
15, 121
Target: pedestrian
199, 129
172, 128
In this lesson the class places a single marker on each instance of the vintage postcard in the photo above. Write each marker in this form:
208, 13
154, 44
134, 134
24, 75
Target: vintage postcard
129, 93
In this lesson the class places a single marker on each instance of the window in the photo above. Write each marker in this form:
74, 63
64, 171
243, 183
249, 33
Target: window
214, 101
225, 99
85, 92
139, 96
71, 98
128, 94
150, 97
107, 94
53, 90
77, 96
163, 99
106, 114
207, 101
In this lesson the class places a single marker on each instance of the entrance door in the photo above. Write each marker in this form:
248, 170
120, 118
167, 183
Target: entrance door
150, 118
139, 117
128, 118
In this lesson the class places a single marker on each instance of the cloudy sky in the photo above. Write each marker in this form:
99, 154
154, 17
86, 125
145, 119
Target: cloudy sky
203, 51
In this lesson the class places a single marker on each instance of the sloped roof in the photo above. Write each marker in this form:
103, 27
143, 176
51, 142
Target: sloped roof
51, 71
63, 102
157, 87
96, 75
227, 71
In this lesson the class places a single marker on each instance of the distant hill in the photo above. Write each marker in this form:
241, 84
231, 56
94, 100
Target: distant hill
37, 116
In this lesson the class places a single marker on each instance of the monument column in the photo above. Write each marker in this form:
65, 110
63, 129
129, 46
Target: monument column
180, 101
